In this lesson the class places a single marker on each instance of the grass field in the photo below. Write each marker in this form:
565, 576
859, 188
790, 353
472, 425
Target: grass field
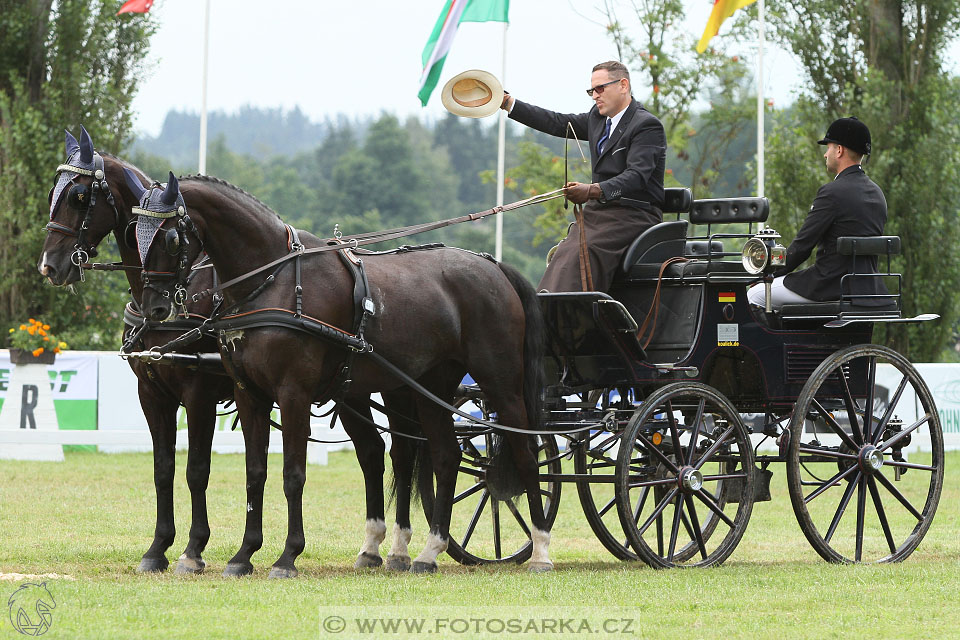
91, 518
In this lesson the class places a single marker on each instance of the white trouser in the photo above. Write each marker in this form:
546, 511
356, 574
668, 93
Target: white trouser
779, 295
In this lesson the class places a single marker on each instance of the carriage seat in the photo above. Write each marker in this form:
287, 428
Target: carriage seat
852, 304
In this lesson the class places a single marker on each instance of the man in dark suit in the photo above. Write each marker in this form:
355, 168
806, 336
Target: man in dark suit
851, 205
628, 150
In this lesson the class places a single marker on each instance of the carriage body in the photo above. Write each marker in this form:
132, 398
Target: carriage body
675, 366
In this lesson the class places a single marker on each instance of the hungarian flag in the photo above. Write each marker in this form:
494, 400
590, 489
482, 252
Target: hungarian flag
135, 6
722, 9
438, 45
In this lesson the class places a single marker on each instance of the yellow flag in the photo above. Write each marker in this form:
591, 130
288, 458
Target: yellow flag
722, 9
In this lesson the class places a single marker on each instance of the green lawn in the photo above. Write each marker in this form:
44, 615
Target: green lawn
91, 518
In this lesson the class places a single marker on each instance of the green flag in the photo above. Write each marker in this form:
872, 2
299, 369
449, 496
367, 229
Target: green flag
441, 39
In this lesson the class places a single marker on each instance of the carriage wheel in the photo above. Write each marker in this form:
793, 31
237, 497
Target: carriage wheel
483, 528
597, 456
851, 438
685, 460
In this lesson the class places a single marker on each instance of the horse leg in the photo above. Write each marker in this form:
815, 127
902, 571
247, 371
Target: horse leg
201, 422
295, 411
369, 448
160, 411
254, 420
403, 452
437, 425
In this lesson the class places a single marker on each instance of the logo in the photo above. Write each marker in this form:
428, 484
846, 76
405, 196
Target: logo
30, 607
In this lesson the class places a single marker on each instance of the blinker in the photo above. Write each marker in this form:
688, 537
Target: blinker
171, 242
77, 196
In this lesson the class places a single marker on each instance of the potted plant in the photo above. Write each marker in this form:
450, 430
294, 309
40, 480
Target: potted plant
33, 343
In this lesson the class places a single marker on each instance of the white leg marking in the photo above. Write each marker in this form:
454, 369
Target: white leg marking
435, 546
401, 541
541, 544
376, 531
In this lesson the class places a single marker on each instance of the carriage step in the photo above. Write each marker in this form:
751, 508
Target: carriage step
761, 491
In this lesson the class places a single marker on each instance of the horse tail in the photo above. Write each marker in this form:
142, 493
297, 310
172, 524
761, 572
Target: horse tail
503, 477
533, 345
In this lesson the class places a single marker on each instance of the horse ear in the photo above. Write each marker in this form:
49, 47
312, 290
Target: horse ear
169, 195
134, 183
86, 146
71, 146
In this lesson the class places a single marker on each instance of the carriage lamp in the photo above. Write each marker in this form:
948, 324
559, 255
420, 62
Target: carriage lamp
761, 254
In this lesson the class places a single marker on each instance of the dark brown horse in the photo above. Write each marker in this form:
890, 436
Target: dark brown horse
437, 315
163, 389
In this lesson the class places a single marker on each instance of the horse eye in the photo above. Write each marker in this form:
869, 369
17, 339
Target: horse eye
172, 242
77, 196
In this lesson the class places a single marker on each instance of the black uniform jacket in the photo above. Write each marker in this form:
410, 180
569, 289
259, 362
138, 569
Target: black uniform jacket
630, 170
851, 205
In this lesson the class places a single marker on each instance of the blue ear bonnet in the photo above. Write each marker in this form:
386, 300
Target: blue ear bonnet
80, 161
156, 205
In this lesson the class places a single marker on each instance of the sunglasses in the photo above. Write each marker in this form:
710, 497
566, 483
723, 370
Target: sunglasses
599, 88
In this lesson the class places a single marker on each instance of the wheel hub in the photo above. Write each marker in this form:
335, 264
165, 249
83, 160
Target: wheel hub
870, 459
691, 480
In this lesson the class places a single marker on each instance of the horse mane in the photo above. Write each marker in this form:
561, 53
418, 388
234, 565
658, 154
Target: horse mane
224, 185
124, 162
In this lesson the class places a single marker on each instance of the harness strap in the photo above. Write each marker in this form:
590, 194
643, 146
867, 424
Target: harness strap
586, 275
654, 311
381, 236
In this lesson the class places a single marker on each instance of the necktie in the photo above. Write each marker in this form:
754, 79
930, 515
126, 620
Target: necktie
603, 138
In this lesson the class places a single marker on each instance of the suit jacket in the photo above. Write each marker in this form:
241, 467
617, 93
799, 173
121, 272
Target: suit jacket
851, 205
630, 169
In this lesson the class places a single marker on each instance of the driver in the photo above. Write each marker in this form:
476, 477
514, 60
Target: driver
628, 151
851, 205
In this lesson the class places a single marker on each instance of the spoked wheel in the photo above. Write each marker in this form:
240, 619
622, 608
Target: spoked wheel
485, 529
597, 456
857, 418
685, 478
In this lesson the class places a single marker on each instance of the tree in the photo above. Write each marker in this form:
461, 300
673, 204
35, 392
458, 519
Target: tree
60, 66
883, 61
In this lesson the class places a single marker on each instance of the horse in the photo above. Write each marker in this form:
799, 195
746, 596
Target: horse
162, 389
438, 313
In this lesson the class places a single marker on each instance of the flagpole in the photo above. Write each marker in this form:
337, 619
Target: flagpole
203, 93
501, 144
760, 101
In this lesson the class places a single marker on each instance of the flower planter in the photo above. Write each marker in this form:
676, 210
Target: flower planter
22, 356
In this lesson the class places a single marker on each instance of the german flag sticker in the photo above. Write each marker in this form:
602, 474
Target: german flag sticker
728, 296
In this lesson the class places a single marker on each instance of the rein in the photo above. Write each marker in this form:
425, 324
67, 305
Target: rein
361, 239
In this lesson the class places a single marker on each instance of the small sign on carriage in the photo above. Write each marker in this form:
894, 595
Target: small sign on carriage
728, 335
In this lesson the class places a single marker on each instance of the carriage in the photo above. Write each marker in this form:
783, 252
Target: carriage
669, 430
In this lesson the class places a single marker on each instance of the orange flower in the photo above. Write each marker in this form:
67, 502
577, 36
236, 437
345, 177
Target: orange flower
46, 338
41, 332
36, 352
46, 327
32, 321
656, 88
23, 327
56, 349
32, 330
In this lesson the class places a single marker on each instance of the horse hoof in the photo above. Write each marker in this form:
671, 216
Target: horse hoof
398, 563
423, 567
367, 561
189, 566
280, 572
540, 567
238, 569
153, 565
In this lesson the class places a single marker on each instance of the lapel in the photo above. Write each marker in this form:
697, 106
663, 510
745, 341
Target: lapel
617, 133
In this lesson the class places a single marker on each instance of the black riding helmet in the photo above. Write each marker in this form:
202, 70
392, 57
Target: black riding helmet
850, 133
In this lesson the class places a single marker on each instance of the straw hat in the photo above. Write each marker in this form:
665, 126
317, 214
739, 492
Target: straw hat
473, 93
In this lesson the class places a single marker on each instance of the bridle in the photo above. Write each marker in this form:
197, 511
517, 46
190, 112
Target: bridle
83, 199
174, 240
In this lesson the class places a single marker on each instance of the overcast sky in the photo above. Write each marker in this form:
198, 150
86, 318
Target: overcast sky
363, 58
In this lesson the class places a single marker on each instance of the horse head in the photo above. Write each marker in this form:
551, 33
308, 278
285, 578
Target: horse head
168, 245
86, 203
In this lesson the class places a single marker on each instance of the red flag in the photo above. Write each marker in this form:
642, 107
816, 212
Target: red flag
135, 6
